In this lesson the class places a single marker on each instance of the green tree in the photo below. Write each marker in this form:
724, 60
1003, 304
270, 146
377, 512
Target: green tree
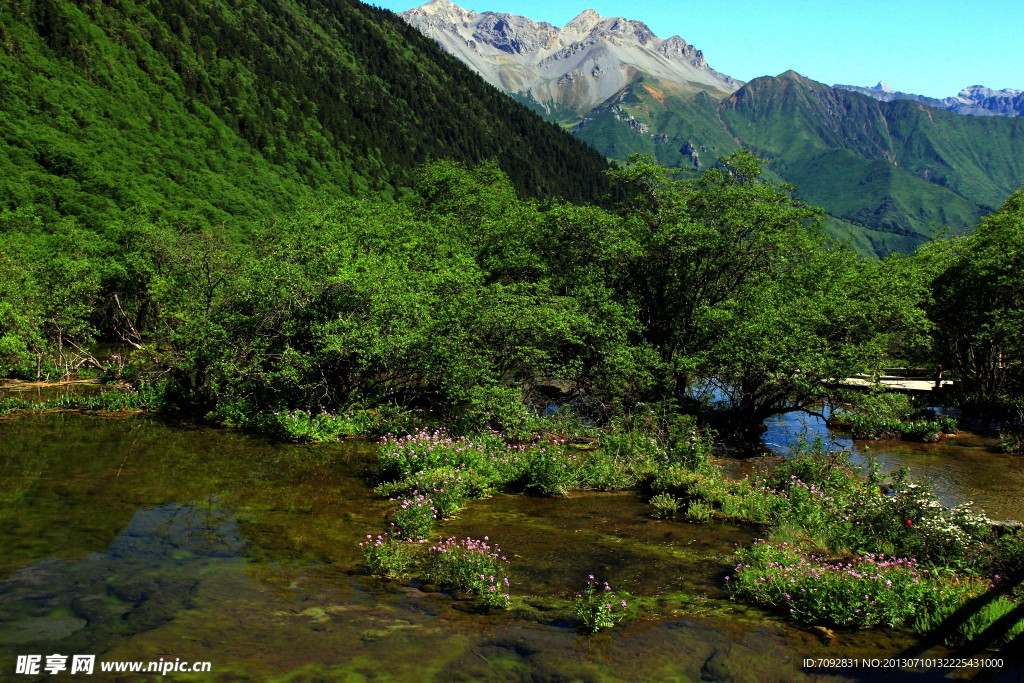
977, 306
50, 281
694, 247
786, 338
738, 290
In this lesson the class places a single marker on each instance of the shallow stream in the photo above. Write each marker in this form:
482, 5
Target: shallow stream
137, 539
961, 468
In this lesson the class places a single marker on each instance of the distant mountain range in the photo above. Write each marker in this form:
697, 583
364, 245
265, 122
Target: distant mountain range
975, 100
890, 170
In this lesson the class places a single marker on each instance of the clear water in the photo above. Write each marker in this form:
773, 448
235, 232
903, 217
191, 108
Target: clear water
134, 539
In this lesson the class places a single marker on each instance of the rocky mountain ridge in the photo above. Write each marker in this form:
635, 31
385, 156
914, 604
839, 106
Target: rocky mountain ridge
569, 69
974, 100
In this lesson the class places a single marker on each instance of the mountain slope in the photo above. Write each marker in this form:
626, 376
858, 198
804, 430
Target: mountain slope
892, 173
215, 111
565, 71
794, 119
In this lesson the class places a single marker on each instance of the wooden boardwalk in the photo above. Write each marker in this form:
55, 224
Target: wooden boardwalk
897, 383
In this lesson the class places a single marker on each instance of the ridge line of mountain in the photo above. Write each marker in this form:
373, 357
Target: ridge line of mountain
974, 100
569, 69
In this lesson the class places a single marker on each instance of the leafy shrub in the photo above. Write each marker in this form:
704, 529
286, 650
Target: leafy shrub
554, 471
1011, 442
873, 427
821, 498
395, 420
686, 445
912, 521
949, 424
884, 405
665, 505
1006, 555
472, 566
893, 416
928, 431
606, 472
301, 425
598, 606
294, 425
565, 423
489, 406
814, 463
656, 432
628, 444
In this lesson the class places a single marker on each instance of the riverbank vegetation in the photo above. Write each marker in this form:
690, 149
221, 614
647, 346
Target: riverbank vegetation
466, 304
888, 415
267, 255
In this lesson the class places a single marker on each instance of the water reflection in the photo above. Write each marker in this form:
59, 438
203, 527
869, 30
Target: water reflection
967, 467
139, 582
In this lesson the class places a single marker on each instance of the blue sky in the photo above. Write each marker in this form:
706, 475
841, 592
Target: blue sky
929, 47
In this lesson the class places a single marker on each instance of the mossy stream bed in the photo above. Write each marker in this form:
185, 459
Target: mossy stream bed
138, 539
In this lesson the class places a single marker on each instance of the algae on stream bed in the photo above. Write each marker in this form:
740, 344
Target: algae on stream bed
136, 539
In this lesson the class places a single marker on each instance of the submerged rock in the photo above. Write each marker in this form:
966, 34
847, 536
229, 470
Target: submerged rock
40, 628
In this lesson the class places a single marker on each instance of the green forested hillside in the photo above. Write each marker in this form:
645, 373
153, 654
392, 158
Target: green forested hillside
890, 174
214, 111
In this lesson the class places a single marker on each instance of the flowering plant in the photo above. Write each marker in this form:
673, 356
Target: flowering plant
470, 565
388, 557
415, 516
862, 591
598, 606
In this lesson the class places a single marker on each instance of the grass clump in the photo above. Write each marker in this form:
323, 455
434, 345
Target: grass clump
304, 425
118, 399
958, 627
665, 505
471, 566
414, 517
699, 512
10, 404
389, 557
